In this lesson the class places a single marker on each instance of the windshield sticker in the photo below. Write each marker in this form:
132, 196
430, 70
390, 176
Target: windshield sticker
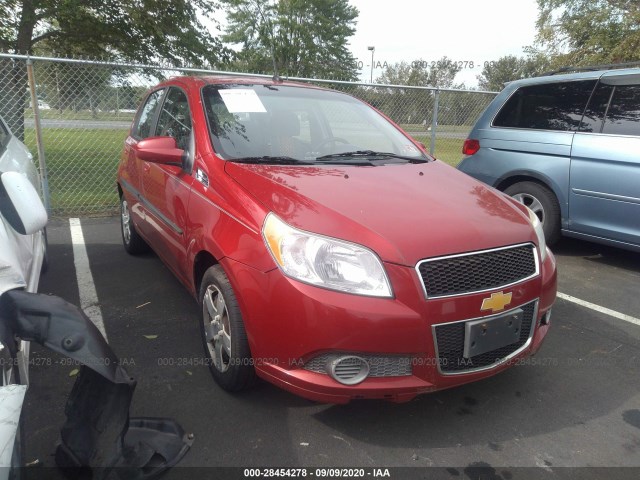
409, 149
242, 100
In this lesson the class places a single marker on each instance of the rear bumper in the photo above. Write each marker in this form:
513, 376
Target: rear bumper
289, 323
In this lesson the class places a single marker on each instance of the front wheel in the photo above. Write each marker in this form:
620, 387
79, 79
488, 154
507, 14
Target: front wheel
543, 203
223, 334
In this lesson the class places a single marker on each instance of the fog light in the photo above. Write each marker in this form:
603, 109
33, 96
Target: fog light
348, 369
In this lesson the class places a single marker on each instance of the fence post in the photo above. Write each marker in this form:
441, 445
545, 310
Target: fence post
434, 122
42, 163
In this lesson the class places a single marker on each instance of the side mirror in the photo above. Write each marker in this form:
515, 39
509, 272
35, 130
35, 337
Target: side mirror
20, 204
162, 150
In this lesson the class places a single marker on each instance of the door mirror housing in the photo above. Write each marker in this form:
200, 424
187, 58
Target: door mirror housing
20, 204
162, 150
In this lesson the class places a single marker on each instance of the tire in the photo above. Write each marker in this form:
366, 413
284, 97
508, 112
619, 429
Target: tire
132, 241
543, 203
223, 335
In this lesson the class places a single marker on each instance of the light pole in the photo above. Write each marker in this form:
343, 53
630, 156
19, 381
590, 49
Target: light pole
373, 49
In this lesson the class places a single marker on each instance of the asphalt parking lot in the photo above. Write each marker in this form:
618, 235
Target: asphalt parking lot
577, 404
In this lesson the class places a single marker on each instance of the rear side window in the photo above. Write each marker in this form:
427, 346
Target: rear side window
142, 128
595, 112
623, 115
552, 106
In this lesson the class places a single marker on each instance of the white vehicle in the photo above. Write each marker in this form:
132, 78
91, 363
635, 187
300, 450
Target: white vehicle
143, 447
22, 256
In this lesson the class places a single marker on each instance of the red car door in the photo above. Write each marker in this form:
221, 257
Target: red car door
166, 187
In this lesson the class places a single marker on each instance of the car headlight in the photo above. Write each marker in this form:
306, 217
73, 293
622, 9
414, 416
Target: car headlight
537, 226
324, 261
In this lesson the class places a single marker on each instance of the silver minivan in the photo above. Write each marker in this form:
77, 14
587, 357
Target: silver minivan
568, 147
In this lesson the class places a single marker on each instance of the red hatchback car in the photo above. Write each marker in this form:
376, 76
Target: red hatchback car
332, 256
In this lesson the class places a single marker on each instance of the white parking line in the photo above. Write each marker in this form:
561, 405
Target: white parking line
598, 308
86, 287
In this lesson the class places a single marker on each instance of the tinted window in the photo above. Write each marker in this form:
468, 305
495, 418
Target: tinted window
554, 106
594, 114
175, 118
143, 126
623, 115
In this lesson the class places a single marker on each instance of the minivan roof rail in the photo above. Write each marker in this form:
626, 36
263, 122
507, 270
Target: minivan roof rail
591, 68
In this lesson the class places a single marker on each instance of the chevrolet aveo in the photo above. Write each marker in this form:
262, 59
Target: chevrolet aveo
330, 254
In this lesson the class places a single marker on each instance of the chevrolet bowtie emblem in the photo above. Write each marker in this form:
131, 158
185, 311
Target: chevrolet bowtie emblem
496, 302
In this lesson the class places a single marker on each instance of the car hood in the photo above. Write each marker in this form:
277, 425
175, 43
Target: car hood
403, 212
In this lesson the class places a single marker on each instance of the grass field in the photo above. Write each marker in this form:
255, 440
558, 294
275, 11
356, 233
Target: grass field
449, 150
82, 163
81, 166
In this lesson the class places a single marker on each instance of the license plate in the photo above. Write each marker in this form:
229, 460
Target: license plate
482, 336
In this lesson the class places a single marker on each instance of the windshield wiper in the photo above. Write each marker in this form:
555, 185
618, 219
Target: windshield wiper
279, 160
371, 153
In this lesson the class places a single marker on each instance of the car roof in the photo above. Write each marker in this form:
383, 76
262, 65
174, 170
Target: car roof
568, 77
199, 81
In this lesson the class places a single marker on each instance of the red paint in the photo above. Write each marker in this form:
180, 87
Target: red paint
404, 213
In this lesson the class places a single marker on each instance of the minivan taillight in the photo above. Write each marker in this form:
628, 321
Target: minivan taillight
470, 146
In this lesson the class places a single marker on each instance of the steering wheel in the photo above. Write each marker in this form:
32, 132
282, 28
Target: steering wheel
330, 140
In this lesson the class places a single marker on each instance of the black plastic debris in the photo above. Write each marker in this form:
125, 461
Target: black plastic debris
98, 440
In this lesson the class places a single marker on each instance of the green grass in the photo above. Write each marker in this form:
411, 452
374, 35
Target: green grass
81, 166
449, 150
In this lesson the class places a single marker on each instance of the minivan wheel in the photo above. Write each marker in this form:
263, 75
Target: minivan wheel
543, 203
223, 334
133, 243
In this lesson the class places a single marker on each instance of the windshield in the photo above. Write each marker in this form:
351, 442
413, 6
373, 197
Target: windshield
276, 123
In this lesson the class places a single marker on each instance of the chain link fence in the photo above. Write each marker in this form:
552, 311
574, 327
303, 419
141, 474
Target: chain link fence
85, 110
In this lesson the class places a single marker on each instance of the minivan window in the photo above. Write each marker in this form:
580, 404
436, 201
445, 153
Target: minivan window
142, 129
596, 110
551, 106
623, 115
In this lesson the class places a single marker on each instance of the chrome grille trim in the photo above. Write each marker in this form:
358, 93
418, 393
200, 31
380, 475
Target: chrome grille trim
479, 252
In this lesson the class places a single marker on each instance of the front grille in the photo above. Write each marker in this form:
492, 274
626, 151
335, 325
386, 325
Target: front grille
478, 271
450, 345
379, 365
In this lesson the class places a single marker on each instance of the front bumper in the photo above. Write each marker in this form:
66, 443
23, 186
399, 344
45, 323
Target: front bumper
289, 324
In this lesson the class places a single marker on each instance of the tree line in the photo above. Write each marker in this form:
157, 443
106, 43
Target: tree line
300, 38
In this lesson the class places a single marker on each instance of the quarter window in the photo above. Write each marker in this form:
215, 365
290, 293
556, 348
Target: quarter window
551, 106
142, 129
623, 115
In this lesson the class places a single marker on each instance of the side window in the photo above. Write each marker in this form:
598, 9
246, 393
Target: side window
551, 106
175, 118
142, 128
623, 115
594, 114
